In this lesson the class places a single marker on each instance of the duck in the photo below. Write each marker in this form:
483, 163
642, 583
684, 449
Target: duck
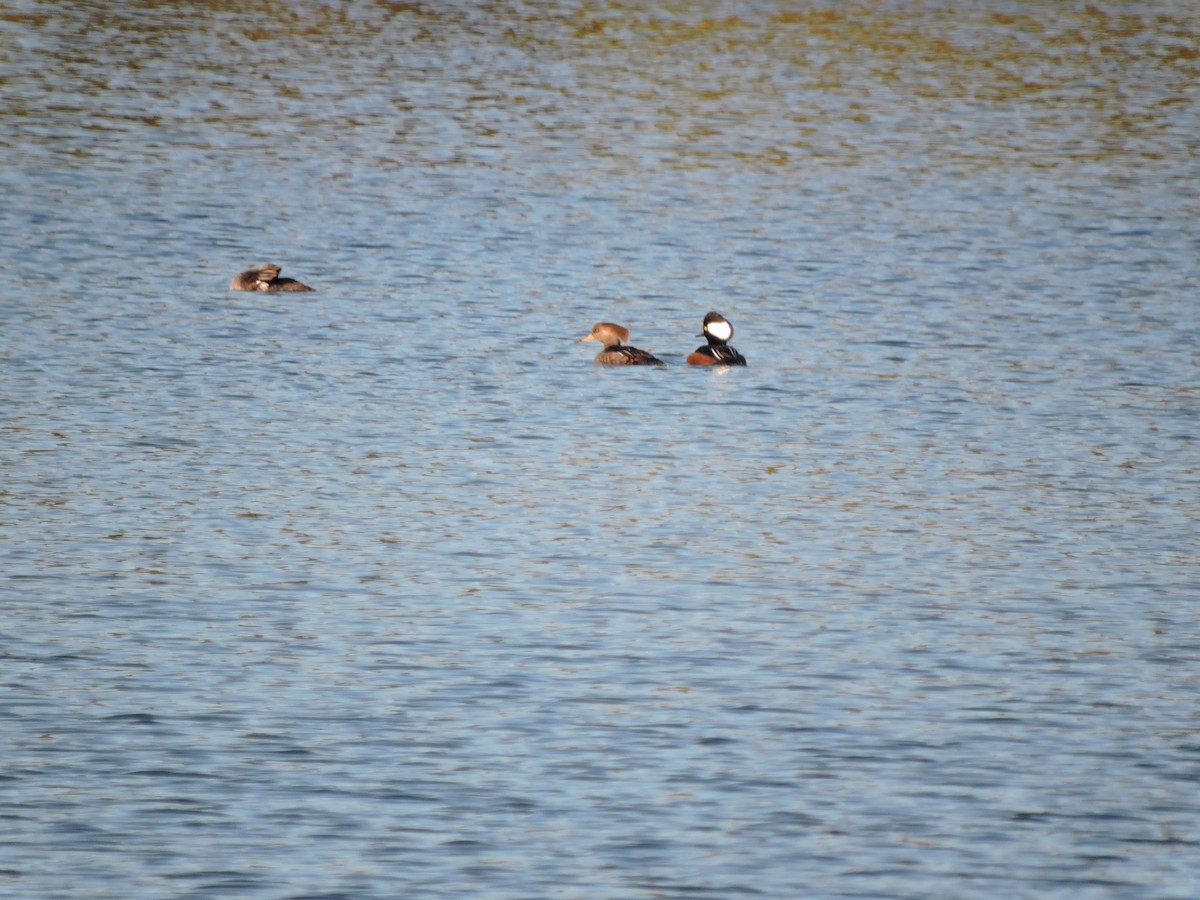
265, 277
617, 352
717, 351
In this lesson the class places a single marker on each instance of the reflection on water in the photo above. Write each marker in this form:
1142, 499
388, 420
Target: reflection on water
690, 85
386, 590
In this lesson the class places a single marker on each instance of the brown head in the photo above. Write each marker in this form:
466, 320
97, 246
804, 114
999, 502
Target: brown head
255, 279
608, 334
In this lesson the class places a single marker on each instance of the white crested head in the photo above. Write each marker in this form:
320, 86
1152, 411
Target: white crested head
719, 328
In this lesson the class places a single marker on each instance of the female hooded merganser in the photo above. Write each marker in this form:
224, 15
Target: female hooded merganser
616, 352
718, 352
265, 277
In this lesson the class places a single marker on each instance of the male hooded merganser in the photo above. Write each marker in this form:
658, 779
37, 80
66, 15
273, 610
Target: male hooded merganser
718, 352
616, 352
265, 277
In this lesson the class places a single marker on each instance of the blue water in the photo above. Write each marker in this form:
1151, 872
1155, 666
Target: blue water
388, 590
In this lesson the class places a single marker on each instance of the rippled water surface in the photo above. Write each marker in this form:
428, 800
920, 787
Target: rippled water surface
389, 591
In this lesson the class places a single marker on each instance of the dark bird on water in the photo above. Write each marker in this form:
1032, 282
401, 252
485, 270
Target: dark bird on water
717, 351
265, 277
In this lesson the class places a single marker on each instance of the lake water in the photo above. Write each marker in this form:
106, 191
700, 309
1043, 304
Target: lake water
389, 591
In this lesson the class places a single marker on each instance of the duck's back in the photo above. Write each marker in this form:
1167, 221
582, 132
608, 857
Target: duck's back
628, 356
284, 284
265, 277
716, 355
